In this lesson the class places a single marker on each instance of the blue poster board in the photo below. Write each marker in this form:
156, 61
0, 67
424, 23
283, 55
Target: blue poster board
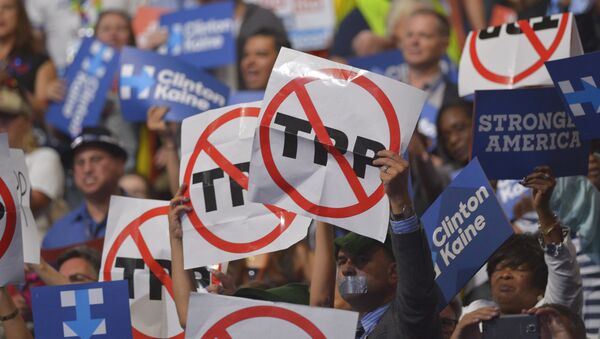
148, 79
202, 36
386, 63
88, 80
242, 97
517, 130
100, 310
576, 79
464, 226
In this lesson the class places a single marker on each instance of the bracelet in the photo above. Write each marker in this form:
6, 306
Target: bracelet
549, 229
13, 315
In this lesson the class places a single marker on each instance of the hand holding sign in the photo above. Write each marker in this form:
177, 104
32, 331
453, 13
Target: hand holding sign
394, 175
178, 206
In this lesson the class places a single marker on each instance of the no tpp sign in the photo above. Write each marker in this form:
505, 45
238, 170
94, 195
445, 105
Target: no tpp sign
321, 125
8, 218
216, 148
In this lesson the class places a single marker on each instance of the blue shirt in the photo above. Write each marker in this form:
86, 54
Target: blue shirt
407, 225
370, 319
74, 228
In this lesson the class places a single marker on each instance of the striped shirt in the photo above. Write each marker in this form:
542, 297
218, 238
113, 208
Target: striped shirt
370, 319
590, 275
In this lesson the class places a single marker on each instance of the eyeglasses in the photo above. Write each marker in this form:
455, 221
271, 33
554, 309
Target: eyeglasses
79, 277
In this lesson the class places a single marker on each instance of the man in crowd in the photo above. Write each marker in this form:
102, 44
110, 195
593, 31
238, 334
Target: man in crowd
259, 53
98, 164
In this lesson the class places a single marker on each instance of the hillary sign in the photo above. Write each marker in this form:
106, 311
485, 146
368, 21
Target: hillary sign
88, 80
464, 226
202, 36
517, 130
577, 79
148, 79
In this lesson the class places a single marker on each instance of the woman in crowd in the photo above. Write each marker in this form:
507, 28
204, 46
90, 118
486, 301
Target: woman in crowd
19, 60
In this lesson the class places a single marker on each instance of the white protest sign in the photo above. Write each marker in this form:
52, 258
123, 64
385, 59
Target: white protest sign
215, 316
11, 245
310, 23
31, 237
513, 55
216, 147
136, 249
312, 104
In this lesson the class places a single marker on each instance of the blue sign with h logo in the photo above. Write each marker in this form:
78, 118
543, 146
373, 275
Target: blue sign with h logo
577, 79
88, 80
203, 36
148, 79
96, 310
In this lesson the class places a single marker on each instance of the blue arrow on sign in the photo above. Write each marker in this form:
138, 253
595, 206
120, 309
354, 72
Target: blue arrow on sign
83, 326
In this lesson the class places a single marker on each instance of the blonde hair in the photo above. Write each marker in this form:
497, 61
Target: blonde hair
401, 10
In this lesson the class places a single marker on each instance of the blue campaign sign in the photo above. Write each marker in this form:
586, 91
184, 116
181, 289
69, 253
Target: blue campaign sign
426, 124
148, 79
203, 36
386, 63
100, 310
519, 129
242, 97
88, 79
509, 193
577, 79
464, 226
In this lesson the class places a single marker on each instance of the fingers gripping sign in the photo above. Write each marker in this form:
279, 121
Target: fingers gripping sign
321, 126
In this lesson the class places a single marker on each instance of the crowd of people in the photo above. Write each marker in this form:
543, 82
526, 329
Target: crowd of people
549, 270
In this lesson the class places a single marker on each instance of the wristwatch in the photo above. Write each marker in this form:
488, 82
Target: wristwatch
406, 212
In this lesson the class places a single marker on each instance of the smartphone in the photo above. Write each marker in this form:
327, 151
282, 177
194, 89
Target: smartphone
513, 326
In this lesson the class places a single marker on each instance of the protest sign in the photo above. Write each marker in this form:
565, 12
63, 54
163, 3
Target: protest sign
517, 130
513, 55
216, 316
135, 250
216, 147
575, 80
464, 226
510, 193
82, 310
11, 245
242, 97
88, 79
203, 36
148, 79
29, 230
310, 24
295, 163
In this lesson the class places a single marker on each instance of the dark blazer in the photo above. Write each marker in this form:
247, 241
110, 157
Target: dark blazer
413, 312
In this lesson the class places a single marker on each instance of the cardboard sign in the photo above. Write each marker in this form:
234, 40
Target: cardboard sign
509, 193
100, 310
517, 130
312, 104
513, 55
30, 234
465, 225
11, 245
310, 24
576, 81
148, 79
202, 36
88, 80
215, 316
216, 147
136, 249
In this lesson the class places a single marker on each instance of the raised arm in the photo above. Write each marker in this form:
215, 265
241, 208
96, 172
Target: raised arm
13, 323
322, 286
564, 279
167, 131
183, 281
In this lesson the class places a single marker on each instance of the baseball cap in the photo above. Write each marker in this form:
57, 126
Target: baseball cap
293, 293
356, 244
99, 137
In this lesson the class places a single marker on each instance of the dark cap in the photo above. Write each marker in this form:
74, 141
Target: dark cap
356, 244
294, 293
98, 137
13, 102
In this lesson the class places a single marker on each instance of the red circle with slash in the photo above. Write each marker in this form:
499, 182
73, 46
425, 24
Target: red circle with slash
543, 53
285, 217
219, 329
11, 218
133, 230
364, 201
